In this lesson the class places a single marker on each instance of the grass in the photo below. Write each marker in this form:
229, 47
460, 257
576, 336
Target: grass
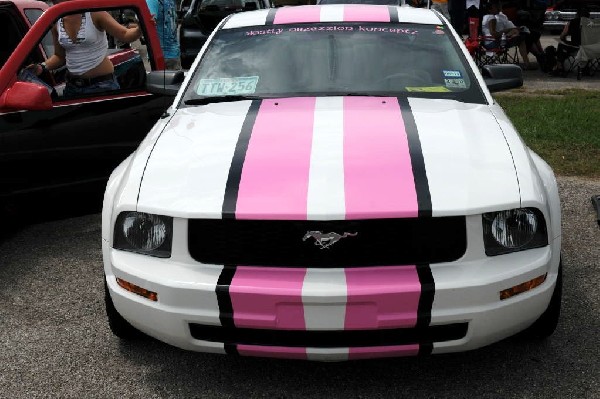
563, 127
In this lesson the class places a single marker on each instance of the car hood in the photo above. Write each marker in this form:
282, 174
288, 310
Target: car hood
330, 158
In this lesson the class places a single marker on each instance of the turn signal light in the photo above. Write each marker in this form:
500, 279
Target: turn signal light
523, 287
153, 296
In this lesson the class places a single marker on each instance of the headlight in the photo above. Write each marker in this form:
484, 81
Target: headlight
144, 233
551, 15
513, 230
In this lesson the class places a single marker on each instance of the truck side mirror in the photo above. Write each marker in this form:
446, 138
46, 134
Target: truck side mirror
28, 96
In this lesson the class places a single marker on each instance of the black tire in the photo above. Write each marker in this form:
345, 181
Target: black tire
547, 322
9, 212
118, 325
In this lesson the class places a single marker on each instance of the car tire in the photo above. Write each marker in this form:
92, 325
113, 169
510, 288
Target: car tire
118, 325
9, 212
545, 325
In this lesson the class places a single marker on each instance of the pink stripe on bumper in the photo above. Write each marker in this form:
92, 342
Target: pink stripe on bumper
292, 15
383, 351
360, 13
382, 297
274, 182
268, 297
279, 352
379, 181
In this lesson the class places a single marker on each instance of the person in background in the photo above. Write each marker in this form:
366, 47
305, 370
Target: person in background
81, 44
442, 7
416, 3
496, 27
473, 7
457, 10
165, 16
570, 40
473, 16
538, 12
526, 22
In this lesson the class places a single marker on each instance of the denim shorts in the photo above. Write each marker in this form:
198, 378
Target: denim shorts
98, 87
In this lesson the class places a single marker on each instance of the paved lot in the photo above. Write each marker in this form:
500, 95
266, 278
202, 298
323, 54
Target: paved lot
55, 342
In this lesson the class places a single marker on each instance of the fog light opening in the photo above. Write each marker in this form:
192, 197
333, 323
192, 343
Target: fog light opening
523, 287
153, 296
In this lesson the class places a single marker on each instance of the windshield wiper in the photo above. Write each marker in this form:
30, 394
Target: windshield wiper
358, 94
219, 99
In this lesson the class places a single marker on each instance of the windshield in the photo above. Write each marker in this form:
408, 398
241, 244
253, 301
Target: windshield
375, 2
333, 59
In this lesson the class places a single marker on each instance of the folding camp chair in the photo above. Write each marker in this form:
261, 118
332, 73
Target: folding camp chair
566, 59
588, 56
500, 54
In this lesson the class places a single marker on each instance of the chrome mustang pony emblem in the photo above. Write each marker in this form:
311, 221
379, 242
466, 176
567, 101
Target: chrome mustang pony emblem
325, 240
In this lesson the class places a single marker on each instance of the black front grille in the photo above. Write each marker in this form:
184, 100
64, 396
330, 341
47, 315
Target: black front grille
378, 242
329, 339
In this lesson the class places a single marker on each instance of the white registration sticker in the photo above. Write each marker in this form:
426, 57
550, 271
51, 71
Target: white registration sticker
455, 83
227, 86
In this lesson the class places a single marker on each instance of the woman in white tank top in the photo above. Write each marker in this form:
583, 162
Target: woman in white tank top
80, 43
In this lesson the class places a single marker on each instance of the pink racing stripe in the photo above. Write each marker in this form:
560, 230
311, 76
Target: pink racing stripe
292, 15
382, 297
279, 352
383, 351
274, 182
379, 181
360, 13
268, 297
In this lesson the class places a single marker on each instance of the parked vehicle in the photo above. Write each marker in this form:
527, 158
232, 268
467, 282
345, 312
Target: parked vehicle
202, 16
50, 144
562, 12
333, 184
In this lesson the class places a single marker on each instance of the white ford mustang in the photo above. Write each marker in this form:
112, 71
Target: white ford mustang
333, 183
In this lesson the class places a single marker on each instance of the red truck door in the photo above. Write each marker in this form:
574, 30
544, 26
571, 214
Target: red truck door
73, 144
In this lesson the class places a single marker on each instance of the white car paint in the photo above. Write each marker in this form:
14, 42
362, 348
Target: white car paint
473, 161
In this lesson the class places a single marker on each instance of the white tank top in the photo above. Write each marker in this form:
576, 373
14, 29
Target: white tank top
89, 49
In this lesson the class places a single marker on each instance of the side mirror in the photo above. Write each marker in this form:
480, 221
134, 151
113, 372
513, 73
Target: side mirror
164, 82
28, 96
502, 76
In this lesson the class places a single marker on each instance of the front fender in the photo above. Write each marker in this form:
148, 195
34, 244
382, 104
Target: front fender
551, 188
123, 186
115, 182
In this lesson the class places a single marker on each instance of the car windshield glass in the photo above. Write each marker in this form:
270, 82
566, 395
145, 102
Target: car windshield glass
334, 59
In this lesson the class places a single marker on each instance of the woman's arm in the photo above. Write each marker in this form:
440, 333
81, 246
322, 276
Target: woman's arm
492, 24
57, 59
565, 32
104, 21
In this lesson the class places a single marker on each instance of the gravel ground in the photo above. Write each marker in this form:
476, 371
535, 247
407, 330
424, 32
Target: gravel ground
55, 342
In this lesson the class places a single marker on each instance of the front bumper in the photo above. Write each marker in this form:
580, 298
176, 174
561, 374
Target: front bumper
304, 313
554, 24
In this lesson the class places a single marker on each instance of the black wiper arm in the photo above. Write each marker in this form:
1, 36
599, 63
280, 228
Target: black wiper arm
219, 99
364, 94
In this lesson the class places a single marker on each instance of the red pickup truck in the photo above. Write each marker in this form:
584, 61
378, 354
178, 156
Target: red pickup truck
61, 146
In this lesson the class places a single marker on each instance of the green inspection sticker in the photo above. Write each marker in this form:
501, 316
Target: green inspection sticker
227, 86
